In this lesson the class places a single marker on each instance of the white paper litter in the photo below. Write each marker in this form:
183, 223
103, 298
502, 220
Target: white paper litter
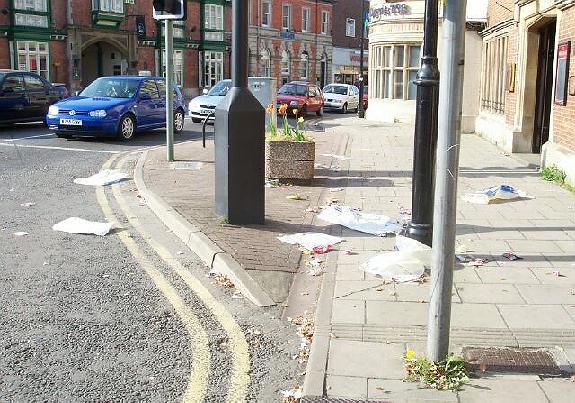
75, 225
310, 240
294, 393
501, 192
28, 204
407, 263
102, 178
337, 157
362, 222
21, 233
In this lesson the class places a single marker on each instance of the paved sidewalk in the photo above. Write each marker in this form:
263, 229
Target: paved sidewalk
363, 326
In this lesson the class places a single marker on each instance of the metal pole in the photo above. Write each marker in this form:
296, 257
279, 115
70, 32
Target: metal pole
360, 110
169, 46
427, 82
443, 255
240, 51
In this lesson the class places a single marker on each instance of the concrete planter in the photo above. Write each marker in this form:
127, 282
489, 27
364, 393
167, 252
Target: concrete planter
290, 159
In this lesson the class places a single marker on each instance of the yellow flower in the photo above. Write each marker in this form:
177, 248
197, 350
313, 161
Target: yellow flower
295, 112
300, 120
283, 108
409, 354
270, 108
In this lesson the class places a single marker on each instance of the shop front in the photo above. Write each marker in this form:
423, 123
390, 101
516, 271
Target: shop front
346, 66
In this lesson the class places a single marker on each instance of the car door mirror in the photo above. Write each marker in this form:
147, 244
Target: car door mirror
145, 96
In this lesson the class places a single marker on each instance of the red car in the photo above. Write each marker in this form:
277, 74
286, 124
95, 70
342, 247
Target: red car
303, 96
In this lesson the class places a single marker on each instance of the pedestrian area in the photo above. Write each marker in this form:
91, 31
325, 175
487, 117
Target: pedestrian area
364, 325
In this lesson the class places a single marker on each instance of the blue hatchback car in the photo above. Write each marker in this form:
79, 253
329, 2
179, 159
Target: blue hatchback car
116, 106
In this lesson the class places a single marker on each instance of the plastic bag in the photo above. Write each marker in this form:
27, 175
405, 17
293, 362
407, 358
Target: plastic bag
311, 240
75, 225
103, 178
501, 192
407, 263
362, 222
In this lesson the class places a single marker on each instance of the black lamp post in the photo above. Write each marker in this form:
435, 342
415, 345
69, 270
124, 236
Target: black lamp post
425, 143
360, 109
239, 137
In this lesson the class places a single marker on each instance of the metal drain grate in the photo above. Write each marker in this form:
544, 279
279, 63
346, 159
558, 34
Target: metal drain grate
319, 399
523, 360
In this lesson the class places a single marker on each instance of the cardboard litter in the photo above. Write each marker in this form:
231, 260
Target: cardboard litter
407, 263
362, 222
501, 192
310, 240
75, 225
103, 178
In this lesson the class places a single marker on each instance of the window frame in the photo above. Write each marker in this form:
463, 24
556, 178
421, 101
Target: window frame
306, 22
36, 53
268, 14
347, 25
117, 4
209, 80
286, 6
386, 70
493, 74
325, 23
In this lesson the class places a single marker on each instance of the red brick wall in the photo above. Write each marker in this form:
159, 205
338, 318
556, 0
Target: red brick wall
4, 53
4, 19
58, 62
58, 10
564, 116
81, 12
499, 10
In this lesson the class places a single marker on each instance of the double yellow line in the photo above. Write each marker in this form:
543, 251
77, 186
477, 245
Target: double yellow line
238, 347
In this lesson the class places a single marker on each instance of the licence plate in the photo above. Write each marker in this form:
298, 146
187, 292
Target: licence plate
71, 122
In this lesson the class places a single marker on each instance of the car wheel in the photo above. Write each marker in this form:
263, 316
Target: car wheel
178, 121
196, 120
127, 127
319, 112
344, 108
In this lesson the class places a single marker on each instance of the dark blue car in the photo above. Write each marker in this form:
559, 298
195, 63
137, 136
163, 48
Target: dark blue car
117, 106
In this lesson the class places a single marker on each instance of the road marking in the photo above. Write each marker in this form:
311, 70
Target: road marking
30, 137
238, 346
199, 344
59, 148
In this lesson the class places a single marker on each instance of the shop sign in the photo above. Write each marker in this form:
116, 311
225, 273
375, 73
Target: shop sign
562, 73
388, 9
356, 57
287, 35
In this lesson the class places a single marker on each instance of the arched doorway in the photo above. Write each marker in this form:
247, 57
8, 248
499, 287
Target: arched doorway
102, 59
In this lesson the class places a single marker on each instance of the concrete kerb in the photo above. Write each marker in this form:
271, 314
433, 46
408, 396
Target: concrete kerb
209, 252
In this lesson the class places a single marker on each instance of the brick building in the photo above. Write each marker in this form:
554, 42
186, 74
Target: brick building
75, 41
346, 34
291, 39
527, 88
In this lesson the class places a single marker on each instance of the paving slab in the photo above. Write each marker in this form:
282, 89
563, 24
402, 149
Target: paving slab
346, 387
536, 317
506, 275
558, 390
406, 392
348, 311
489, 294
502, 391
544, 294
476, 316
392, 314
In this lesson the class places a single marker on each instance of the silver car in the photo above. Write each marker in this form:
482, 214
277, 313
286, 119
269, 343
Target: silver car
342, 97
200, 107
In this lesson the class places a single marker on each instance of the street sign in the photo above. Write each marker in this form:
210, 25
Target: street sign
169, 9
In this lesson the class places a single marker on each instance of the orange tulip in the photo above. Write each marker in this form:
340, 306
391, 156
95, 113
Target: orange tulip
270, 108
283, 108
295, 112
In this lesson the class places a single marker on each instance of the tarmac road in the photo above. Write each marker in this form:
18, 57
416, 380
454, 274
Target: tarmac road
89, 318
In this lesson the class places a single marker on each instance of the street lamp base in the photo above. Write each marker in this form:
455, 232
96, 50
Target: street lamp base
420, 232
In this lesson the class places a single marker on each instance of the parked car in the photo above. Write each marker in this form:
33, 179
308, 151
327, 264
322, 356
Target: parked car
304, 96
26, 97
342, 97
116, 106
202, 106
365, 97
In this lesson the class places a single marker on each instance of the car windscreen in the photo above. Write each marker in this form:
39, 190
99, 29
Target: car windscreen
112, 88
335, 89
293, 89
220, 89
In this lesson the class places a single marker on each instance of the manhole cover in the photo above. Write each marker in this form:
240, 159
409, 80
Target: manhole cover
318, 399
524, 360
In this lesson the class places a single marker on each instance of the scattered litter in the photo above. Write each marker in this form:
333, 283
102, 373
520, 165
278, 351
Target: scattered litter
501, 192
557, 273
179, 252
237, 295
333, 190
312, 210
292, 396
21, 233
45, 264
310, 240
333, 201
362, 222
222, 280
322, 249
315, 262
478, 262
296, 196
315, 271
407, 263
337, 157
272, 183
349, 252
462, 258
29, 204
75, 225
102, 178
511, 256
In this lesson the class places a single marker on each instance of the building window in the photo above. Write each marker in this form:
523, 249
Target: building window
266, 13
493, 75
178, 66
286, 17
28, 16
213, 68
304, 66
34, 57
110, 6
285, 64
350, 27
266, 63
324, 22
394, 67
214, 17
31, 5
305, 19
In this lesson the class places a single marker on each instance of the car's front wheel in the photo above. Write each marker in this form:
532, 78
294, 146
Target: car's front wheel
127, 127
178, 121
196, 120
